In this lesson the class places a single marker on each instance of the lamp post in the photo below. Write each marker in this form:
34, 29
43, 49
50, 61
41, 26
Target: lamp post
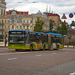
5, 39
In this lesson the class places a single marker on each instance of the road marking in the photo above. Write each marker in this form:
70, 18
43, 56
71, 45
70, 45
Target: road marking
53, 53
12, 58
38, 55
13, 53
72, 73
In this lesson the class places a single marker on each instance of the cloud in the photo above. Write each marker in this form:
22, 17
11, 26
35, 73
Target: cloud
57, 6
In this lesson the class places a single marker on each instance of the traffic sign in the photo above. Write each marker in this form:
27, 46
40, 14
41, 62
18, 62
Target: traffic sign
64, 16
71, 15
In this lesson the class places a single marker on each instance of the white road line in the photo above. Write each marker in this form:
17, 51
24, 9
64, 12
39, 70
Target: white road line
53, 53
12, 58
5, 53
38, 55
13, 53
72, 73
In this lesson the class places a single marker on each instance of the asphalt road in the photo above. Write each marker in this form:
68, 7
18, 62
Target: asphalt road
56, 62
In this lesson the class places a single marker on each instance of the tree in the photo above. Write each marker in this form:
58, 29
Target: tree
39, 25
63, 29
1, 36
72, 24
50, 26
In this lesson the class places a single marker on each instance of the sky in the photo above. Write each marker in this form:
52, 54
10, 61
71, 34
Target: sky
56, 6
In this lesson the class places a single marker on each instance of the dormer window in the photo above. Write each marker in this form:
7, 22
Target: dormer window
21, 12
13, 13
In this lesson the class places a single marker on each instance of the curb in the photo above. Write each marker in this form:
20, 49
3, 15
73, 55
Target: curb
3, 46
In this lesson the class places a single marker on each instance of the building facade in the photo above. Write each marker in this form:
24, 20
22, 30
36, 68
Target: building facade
20, 22
55, 19
2, 7
70, 38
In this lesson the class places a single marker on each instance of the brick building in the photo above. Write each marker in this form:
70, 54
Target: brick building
55, 18
70, 36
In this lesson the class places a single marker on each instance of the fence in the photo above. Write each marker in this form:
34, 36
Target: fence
3, 44
70, 44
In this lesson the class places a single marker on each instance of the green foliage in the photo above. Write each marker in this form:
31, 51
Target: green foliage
1, 36
38, 26
73, 23
63, 29
54, 31
50, 26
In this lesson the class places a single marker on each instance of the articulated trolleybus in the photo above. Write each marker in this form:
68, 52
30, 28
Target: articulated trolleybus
22, 39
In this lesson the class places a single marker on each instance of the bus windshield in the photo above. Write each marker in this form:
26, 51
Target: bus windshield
16, 39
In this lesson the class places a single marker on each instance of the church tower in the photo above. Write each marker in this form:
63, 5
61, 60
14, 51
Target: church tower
2, 7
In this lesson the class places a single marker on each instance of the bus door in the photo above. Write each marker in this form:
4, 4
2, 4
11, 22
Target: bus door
49, 41
54, 42
39, 41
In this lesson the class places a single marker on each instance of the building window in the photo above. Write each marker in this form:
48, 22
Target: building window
12, 19
12, 26
22, 13
5, 33
27, 27
2, 27
24, 22
5, 21
27, 21
8, 26
20, 27
8, 21
2, 32
2, 21
1, 11
5, 27
30, 27
17, 26
31, 21
35, 20
19, 19
4, 12
23, 27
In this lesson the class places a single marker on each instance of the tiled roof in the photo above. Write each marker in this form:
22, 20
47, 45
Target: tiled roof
17, 12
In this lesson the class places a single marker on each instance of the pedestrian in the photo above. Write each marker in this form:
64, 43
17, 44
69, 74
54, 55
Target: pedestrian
5, 42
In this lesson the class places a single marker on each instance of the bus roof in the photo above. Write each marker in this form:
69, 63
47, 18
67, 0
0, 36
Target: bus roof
55, 34
27, 31
16, 30
40, 32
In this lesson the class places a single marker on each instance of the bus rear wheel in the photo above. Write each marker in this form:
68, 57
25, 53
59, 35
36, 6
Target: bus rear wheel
16, 50
57, 47
31, 47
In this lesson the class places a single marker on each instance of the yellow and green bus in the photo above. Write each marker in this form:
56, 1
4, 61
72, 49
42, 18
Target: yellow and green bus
30, 40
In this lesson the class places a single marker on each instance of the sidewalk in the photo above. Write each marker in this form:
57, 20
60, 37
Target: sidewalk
69, 46
2, 44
